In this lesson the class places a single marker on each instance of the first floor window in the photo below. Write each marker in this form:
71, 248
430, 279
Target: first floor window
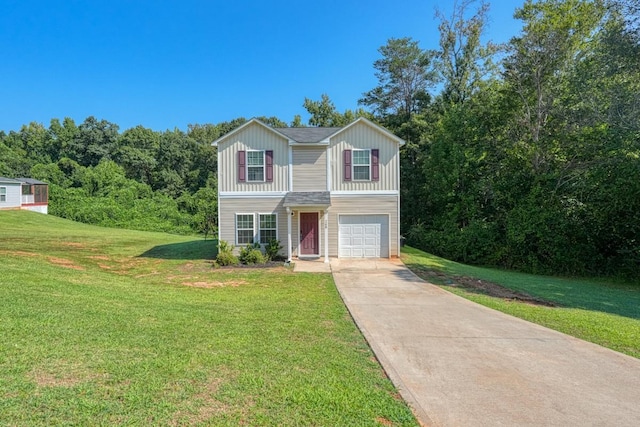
361, 165
3, 194
255, 165
268, 229
244, 229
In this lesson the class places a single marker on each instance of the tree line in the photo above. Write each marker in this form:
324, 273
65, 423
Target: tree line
528, 156
524, 155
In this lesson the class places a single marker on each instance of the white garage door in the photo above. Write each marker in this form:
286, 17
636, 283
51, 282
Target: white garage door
363, 236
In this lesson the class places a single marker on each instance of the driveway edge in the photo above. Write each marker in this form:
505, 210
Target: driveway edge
421, 415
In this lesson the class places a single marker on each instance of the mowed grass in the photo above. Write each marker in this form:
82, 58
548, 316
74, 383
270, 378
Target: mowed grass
114, 327
604, 312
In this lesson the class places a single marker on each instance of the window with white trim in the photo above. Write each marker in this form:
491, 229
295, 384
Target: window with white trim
255, 166
244, 229
268, 228
361, 163
3, 194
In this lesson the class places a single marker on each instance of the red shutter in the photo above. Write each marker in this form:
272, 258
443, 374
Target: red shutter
242, 166
269, 161
375, 169
347, 164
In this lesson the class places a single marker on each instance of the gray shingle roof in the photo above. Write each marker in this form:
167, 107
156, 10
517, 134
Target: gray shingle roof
8, 180
308, 135
30, 181
307, 198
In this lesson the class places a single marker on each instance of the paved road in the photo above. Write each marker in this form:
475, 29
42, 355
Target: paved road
461, 364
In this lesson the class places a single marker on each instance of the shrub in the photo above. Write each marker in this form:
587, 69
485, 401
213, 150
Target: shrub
251, 254
226, 258
272, 249
225, 255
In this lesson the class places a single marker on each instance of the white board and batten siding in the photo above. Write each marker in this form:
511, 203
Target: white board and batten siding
253, 137
309, 168
364, 137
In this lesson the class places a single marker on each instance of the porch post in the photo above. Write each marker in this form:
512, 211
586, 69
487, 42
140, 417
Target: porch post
288, 234
326, 234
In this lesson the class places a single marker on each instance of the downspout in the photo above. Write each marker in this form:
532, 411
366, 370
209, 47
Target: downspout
326, 235
289, 213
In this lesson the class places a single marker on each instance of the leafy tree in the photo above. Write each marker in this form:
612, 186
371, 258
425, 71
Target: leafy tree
94, 140
554, 35
463, 61
136, 153
324, 113
405, 75
13, 158
297, 121
62, 136
272, 121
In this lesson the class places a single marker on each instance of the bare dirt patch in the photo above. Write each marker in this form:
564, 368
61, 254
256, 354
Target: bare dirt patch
231, 283
63, 262
74, 244
62, 374
208, 406
19, 253
383, 421
99, 257
484, 287
191, 267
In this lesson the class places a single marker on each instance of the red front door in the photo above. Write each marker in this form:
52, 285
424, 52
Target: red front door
309, 233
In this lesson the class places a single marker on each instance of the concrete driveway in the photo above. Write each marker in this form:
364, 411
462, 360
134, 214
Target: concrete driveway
461, 364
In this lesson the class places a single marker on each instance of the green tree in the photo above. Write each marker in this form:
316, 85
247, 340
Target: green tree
405, 75
94, 140
324, 113
463, 61
62, 137
136, 153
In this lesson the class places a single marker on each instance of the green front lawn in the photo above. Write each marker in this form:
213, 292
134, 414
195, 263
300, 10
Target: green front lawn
600, 311
117, 327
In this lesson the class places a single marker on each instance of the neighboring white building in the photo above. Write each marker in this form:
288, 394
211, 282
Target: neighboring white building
24, 193
10, 191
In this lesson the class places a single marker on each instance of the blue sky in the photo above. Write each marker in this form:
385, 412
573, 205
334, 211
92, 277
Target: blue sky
166, 64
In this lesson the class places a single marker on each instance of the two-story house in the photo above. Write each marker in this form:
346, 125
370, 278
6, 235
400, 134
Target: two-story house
322, 191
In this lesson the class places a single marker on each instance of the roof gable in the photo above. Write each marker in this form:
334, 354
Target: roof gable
369, 123
239, 129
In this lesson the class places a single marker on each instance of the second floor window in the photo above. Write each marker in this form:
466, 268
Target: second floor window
361, 165
255, 165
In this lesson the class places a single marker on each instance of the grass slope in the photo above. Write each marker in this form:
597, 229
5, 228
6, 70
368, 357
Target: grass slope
603, 312
117, 327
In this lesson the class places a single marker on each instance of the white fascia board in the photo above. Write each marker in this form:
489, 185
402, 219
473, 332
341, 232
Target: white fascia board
240, 128
369, 123
364, 193
250, 194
